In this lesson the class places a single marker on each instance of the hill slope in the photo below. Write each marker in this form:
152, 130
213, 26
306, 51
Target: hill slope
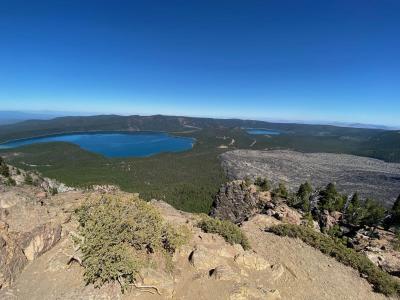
206, 268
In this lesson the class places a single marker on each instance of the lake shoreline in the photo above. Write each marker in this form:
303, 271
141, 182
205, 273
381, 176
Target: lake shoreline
117, 143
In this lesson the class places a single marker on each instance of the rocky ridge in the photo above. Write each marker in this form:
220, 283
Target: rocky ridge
238, 201
38, 253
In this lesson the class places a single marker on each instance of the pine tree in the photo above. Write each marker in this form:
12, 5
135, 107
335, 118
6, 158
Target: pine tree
328, 196
331, 199
355, 212
303, 196
305, 190
282, 191
375, 213
355, 201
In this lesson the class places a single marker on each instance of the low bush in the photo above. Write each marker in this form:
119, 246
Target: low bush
396, 241
119, 235
281, 191
4, 170
11, 182
263, 184
53, 191
382, 281
28, 179
229, 231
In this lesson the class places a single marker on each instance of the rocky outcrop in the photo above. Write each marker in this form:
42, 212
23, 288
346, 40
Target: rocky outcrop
42, 238
31, 222
328, 220
236, 201
36, 255
286, 214
47, 185
17, 249
251, 261
204, 259
224, 273
12, 259
377, 245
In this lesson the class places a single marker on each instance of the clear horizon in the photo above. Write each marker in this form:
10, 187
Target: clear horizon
308, 61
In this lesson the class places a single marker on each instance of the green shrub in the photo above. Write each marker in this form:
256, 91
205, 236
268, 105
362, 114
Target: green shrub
382, 281
309, 220
247, 181
28, 179
229, 231
263, 183
4, 170
119, 235
53, 191
281, 191
11, 182
396, 240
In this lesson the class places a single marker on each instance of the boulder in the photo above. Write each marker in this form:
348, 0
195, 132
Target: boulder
286, 214
337, 216
225, 273
327, 221
204, 259
251, 261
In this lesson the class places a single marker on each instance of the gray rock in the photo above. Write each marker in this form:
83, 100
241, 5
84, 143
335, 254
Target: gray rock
237, 201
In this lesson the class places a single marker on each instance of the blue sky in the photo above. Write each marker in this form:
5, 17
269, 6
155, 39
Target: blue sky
271, 59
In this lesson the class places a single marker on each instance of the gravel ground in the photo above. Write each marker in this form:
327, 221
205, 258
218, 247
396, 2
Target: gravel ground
370, 177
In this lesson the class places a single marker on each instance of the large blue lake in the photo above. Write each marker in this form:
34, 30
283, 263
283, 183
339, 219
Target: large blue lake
138, 144
262, 131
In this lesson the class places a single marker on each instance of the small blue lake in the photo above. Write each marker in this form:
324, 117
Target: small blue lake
140, 144
261, 131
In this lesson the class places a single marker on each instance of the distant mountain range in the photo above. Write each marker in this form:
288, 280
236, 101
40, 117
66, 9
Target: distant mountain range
11, 117
362, 125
